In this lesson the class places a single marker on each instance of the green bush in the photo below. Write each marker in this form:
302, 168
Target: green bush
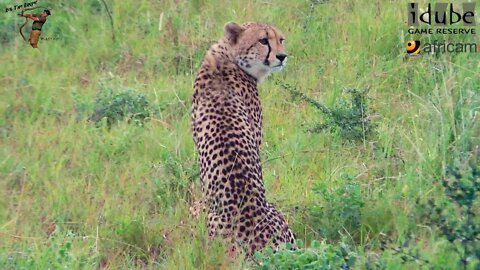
52, 256
457, 218
350, 116
123, 105
319, 256
337, 210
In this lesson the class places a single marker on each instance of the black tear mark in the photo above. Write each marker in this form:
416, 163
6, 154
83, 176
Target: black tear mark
266, 62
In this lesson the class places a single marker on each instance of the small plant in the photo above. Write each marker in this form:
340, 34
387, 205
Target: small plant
172, 178
119, 106
55, 255
319, 256
338, 209
311, 9
457, 218
81, 106
351, 116
407, 252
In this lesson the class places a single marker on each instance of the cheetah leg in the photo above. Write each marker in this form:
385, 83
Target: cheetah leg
272, 231
212, 225
217, 227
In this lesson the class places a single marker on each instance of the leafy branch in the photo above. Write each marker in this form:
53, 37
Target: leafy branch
350, 116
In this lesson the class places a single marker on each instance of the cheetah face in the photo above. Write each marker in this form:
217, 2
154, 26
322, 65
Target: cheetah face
257, 48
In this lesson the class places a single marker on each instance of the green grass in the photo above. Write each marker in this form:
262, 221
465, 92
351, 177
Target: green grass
75, 195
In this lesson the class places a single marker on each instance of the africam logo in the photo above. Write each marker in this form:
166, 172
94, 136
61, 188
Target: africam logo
414, 47
38, 19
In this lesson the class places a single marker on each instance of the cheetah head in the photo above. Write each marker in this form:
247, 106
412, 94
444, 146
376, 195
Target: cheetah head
256, 48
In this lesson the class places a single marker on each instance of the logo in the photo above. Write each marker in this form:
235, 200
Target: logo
443, 21
37, 19
438, 16
413, 47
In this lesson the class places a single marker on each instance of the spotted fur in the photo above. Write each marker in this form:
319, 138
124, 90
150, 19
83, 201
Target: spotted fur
227, 129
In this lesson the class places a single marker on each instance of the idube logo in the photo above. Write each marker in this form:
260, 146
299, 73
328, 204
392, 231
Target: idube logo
440, 13
441, 19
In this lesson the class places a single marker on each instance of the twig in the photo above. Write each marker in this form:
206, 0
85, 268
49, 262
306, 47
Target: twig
289, 154
21, 237
111, 19
296, 93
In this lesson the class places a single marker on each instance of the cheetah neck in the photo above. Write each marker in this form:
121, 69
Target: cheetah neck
220, 57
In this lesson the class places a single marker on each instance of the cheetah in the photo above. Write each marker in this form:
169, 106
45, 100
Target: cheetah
227, 131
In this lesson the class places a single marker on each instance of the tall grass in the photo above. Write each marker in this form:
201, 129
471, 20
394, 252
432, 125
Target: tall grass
77, 195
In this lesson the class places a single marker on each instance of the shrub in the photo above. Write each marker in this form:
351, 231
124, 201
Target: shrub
457, 218
319, 256
117, 106
351, 116
53, 255
454, 215
338, 209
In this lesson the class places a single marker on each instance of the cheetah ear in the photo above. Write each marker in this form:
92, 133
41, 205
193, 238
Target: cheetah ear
233, 31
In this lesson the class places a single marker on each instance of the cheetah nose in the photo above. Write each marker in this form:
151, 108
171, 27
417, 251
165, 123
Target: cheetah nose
281, 57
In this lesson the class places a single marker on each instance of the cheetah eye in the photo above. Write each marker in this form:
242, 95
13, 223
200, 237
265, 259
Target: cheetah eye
263, 41
282, 40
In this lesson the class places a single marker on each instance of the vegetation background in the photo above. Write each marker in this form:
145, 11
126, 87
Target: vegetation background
98, 166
